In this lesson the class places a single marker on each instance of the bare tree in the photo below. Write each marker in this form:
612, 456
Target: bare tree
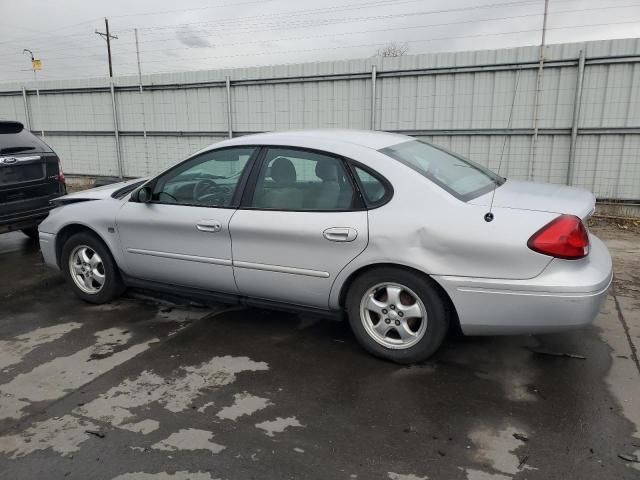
393, 49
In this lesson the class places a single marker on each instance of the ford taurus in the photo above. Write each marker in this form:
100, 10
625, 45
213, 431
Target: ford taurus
406, 238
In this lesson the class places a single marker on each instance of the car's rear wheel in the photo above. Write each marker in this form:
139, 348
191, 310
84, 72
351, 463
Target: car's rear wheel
31, 232
397, 314
90, 269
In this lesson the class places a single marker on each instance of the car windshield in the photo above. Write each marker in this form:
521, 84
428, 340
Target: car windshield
459, 176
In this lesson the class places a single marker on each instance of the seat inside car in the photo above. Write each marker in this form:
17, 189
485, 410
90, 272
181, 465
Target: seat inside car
283, 193
326, 194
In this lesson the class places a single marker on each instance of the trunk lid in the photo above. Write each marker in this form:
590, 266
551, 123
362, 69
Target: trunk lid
541, 197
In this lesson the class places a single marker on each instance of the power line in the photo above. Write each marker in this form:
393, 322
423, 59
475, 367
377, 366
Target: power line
316, 11
293, 13
360, 32
434, 39
182, 10
404, 41
21, 39
261, 21
324, 22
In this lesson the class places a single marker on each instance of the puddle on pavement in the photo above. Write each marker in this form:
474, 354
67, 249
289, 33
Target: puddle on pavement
54, 379
13, 351
279, 425
189, 439
244, 404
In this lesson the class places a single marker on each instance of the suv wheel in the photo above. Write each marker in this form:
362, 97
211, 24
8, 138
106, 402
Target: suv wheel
90, 269
397, 314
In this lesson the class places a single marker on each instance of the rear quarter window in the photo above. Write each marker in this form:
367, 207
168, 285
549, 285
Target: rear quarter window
373, 188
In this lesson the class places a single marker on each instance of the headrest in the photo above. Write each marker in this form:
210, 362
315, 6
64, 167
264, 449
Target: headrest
282, 171
326, 170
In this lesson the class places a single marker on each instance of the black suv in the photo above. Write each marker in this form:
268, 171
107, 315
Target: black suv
30, 177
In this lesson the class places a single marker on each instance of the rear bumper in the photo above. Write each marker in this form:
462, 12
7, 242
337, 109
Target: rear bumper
568, 294
25, 219
25, 213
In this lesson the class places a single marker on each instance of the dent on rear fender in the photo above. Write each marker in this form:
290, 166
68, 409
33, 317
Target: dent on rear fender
450, 241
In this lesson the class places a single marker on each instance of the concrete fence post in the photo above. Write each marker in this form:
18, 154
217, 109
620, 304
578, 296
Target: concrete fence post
116, 130
27, 115
576, 119
373, 97
229, 119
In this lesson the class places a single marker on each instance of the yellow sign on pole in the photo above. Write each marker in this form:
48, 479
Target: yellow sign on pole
36, 64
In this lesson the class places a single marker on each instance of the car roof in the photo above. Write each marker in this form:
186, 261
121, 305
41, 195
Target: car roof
365, 138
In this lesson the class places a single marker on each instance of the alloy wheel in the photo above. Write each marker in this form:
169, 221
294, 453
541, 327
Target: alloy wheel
393, 315
87, 269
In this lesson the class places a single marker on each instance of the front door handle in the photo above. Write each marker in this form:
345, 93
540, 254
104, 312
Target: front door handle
209, 226
340, 234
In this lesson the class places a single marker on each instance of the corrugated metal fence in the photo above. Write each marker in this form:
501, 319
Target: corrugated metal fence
588, 112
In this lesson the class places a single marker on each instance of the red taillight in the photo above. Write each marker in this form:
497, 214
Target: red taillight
60, 173
565, 237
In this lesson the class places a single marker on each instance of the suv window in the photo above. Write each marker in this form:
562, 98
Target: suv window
208, 180
22, 142
291, 179
459, 176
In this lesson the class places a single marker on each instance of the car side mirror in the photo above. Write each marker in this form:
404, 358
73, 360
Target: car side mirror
142, 195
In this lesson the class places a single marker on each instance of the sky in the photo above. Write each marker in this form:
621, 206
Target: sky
215, 34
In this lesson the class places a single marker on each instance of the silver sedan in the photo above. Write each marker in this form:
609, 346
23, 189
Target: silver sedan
406, 238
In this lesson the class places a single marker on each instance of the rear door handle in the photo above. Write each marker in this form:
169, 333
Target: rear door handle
340, 234
209, 226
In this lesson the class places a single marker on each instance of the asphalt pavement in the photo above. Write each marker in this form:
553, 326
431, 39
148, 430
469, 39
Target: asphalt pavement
146, 389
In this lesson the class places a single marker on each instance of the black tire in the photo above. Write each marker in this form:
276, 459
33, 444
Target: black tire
31, 232
113, 286
436, 308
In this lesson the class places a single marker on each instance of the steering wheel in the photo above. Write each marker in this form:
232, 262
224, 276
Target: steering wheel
203, 187
168, 195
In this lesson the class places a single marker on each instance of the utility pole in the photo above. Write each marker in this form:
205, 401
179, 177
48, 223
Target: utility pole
116, 130
107, 36
35, 66
144, 121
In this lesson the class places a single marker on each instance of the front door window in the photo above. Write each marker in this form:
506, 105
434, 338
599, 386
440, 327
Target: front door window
208, 180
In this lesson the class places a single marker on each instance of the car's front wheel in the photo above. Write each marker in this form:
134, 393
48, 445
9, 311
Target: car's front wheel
90, 269
397, 314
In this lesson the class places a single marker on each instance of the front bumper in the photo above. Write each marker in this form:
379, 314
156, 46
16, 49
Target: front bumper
567, 294
48, 249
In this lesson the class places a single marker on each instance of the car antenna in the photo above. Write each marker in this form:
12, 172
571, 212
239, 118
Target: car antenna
489, 215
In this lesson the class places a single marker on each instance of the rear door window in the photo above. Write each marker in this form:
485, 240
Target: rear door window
300, 180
